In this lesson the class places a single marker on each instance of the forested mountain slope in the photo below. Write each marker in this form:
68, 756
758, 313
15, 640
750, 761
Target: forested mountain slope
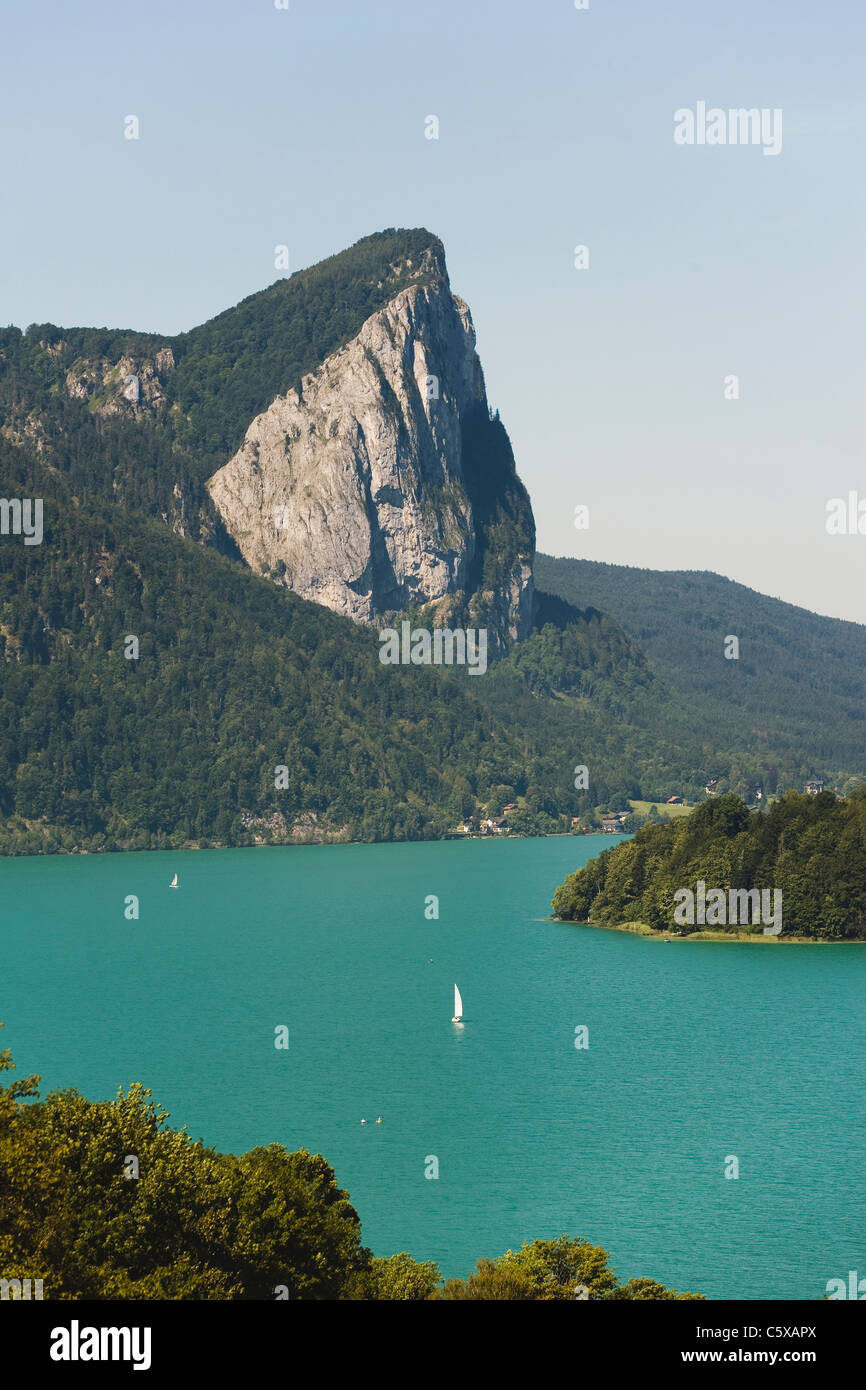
198, 391
235, 679
250, 714
795, 697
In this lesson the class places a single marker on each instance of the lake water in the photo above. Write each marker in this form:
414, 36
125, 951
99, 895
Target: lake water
696, 1051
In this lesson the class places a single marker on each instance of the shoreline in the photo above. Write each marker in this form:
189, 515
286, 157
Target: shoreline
299, 843
647, 933
78, 852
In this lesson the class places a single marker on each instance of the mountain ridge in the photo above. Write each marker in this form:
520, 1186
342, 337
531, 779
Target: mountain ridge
163, 422
793, 664
237, 677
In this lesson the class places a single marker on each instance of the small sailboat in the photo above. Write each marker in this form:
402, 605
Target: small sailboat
458, 1007
174, 883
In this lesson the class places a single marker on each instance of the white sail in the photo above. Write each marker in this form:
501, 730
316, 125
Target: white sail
458, 1005
174, 882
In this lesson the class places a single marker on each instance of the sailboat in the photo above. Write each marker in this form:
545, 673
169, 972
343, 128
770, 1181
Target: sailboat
174, 883
458, 1007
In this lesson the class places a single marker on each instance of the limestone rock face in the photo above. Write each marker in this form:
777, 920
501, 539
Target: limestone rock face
352, 490
121, 388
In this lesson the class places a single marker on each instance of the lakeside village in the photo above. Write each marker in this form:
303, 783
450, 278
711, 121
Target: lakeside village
623, 822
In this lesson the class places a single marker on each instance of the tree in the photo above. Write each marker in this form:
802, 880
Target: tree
399, 1278
811, 848
642, 1290
552, 1271
102, 1200
490, 1281
556, 1268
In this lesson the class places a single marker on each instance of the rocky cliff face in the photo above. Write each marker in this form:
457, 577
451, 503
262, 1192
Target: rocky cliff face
125, 387
367, 489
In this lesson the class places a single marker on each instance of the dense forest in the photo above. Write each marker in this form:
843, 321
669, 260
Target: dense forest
235, 678
810, 848
102, 1200
794, 699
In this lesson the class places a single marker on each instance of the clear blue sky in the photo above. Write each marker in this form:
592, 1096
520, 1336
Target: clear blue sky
306, 127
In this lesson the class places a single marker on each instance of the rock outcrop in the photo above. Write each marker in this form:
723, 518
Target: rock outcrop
124, 387
358, 490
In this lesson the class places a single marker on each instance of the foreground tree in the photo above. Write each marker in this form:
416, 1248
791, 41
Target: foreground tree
489, 1281
398, 1278
554, 1270
101, 1200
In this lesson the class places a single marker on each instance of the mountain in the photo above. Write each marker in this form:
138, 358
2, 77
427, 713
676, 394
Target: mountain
794, 699
360, 488
182, 738
333, 429
194, 395
170, 671
236, 684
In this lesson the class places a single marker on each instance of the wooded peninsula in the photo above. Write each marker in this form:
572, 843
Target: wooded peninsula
811, 850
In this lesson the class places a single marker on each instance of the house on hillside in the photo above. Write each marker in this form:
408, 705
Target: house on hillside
494, 825
814, 787
611, 825
712, 786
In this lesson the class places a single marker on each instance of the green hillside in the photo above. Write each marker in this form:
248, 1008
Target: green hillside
234, 677
623, 673
794, 703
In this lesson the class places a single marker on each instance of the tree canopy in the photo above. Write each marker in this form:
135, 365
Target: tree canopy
811, 848
103, 1200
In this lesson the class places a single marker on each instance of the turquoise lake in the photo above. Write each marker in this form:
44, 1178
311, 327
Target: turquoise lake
696, 1051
